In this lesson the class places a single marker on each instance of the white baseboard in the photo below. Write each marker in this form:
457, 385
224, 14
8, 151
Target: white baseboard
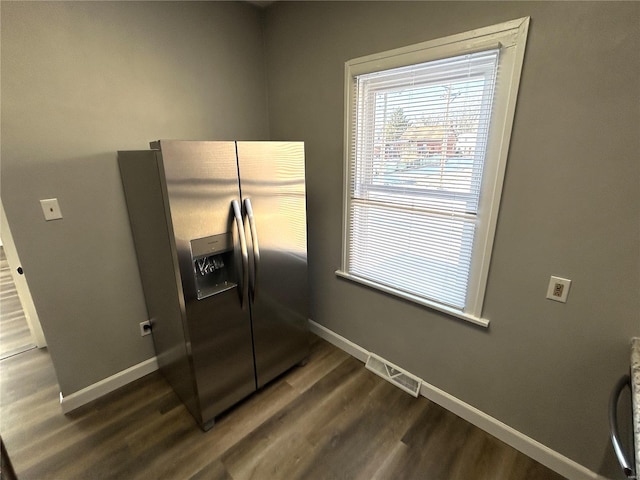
342, 343
530, 447
109, 384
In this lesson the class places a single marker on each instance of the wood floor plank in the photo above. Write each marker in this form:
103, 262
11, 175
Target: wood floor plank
280, 444
324, 357
15, 336
214, 470
231, 427
484, 456
356, 443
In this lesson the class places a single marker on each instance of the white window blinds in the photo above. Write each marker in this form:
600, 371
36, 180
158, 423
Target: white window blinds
418, 143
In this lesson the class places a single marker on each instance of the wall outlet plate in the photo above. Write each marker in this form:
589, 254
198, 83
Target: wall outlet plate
51, 209
558, 289
145, 328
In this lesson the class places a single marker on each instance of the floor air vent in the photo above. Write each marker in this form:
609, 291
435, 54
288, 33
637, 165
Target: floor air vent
400, 378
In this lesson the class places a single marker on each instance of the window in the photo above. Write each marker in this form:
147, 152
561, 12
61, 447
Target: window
427, 136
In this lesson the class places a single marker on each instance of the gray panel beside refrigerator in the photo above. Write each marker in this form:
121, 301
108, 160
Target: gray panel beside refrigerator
220, 234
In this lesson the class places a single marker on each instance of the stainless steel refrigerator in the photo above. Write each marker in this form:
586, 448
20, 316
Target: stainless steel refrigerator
220, 235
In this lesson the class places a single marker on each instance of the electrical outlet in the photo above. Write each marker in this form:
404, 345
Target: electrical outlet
145, 328
558, 289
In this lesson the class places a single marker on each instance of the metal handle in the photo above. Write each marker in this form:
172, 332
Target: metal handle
254, 242
623, 459
244, 284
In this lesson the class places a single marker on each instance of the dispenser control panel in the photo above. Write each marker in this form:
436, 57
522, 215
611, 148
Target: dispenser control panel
212, 259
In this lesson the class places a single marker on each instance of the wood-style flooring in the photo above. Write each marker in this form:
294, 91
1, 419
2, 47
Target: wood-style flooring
15, 336
330, 419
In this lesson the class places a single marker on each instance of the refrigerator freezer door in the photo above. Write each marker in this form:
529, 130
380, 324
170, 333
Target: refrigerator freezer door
146, 202
202, 185
272, 179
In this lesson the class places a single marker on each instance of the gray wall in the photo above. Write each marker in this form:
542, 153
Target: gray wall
81, 80
570, 207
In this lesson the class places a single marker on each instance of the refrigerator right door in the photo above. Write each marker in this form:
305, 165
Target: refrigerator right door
272, 186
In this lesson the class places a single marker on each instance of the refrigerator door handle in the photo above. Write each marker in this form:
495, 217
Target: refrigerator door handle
613, 426
244, 284
256, 247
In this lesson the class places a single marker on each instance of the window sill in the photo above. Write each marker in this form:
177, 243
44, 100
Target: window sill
483, 322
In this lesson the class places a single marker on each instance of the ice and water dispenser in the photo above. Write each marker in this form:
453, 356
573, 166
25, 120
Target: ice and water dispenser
212, 259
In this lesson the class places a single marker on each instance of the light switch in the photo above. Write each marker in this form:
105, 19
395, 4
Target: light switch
51, 209
558, 289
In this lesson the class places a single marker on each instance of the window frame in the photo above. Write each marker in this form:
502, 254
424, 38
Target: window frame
510, 37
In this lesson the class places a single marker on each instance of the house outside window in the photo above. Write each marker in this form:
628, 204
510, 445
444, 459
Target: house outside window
426, 142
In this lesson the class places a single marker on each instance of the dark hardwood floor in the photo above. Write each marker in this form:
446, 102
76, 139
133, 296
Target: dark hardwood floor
14, 332
330, 419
